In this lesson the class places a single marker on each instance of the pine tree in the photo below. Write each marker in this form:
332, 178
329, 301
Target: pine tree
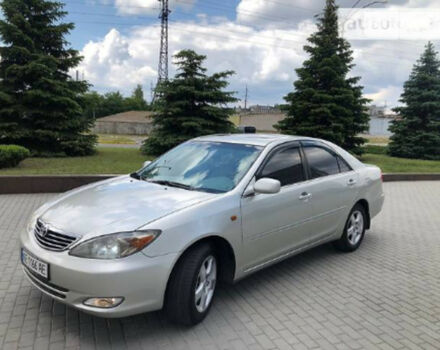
40, 104
416, 134
326, 103
190, 105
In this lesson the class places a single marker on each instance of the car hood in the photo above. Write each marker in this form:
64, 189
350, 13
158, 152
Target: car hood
121, 204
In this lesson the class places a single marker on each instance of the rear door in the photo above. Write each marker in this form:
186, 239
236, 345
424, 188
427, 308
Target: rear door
333, 185
274, 224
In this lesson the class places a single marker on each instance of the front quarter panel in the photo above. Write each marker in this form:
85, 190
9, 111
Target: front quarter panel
219, 216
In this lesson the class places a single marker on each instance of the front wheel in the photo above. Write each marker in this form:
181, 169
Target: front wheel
192, 286
354, 230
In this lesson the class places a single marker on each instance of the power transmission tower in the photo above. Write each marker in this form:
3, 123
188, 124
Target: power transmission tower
163, 54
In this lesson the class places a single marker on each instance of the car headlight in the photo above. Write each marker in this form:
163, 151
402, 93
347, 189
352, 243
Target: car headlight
31, 223
116, 245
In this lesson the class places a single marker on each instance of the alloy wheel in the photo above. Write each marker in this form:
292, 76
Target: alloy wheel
205, 285
355, 227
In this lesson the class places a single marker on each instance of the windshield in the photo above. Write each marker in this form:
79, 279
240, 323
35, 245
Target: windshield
205, 166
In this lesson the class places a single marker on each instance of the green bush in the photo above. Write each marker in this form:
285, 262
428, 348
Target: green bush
12, 155
375, 149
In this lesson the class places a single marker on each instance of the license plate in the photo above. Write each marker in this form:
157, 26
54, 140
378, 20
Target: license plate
35, 265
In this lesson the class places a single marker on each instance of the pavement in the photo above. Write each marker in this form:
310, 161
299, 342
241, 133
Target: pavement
384, 296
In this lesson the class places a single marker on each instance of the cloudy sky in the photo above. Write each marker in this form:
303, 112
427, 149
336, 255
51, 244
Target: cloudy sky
261, 40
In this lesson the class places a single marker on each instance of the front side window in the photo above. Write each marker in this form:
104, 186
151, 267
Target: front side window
285, 166
205, 166
321, 162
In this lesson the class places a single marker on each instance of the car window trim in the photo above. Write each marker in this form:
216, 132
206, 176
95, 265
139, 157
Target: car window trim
286, 145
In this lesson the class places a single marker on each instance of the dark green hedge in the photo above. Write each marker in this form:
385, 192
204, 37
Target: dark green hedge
12, 155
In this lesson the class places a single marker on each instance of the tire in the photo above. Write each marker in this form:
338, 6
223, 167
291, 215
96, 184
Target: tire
182, 306
354, 230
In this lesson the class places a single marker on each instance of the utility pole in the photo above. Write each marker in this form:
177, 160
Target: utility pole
246, 98
163, 54
151, 91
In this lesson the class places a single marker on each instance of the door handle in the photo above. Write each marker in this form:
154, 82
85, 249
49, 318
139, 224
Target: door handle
351, 182
304, 196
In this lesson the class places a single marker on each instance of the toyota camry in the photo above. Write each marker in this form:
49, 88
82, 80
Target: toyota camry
213, 209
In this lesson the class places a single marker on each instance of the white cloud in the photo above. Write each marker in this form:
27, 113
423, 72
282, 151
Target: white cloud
259, 57
149, 7
279, 13
263, 54
116, 62
388, 95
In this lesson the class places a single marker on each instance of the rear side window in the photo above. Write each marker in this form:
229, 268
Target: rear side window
321, 162
284, 165
343, 166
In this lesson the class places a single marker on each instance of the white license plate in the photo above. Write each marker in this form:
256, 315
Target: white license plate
35, 265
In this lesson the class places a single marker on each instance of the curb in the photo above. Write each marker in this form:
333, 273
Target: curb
62, 183
410, 177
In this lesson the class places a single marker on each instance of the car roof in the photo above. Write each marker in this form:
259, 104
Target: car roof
250, 139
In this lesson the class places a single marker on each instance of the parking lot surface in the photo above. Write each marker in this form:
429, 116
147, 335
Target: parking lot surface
384, 296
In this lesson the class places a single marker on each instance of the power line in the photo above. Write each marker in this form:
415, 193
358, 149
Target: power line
186, 14
241, 38
291, 38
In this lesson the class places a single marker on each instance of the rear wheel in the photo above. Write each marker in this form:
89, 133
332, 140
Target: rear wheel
354, 230
192, 286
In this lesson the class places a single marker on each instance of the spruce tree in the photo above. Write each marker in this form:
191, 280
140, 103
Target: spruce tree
40, 104
326, 103
190, 105
416, 134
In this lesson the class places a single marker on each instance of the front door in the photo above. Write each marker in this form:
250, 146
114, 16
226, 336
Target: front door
274, 224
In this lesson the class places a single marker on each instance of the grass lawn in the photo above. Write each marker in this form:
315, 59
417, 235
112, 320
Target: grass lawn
126, 160
377, 140
401, 165
105, 161
118, 139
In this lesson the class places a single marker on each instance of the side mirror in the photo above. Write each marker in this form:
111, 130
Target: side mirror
148, 162
267, 186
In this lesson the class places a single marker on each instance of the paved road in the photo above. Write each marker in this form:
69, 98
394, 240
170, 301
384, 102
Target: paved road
385, 296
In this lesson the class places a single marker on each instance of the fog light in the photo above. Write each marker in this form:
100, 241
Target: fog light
103, 303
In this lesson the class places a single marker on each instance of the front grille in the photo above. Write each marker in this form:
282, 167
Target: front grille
50, 239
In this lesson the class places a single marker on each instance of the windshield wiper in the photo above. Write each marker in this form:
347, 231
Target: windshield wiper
172, 184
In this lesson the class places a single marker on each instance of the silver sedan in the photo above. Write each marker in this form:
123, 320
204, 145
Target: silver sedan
216, 208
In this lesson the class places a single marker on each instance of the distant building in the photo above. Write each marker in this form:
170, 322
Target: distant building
126, 123
377, 111
380, 120
263, 109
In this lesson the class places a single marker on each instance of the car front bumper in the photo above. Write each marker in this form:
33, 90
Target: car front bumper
139, 279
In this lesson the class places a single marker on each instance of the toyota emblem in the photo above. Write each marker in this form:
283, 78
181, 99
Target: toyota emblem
44, 229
